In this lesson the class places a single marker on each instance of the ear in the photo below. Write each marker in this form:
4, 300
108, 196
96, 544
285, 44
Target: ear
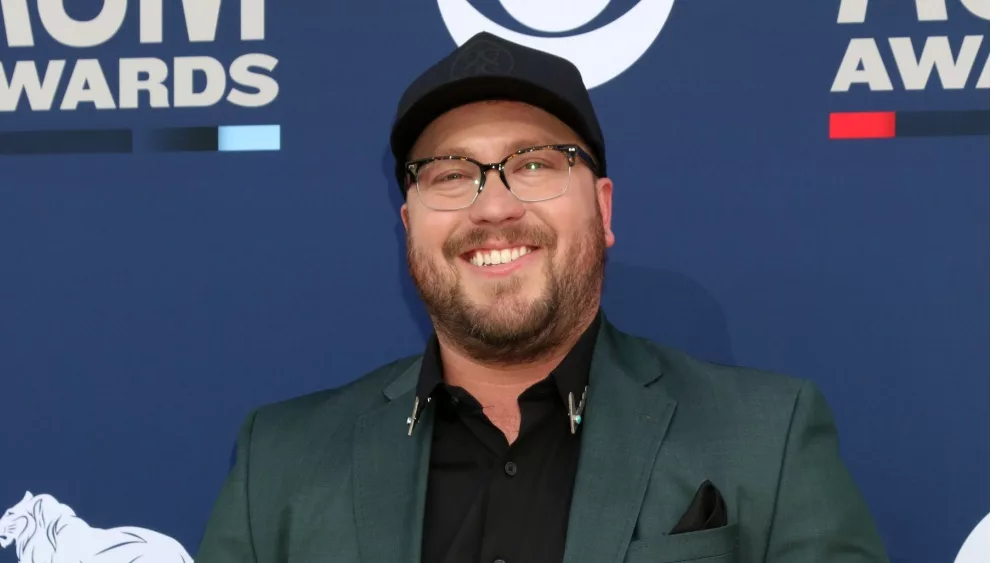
27, 495
404, 214
604, 188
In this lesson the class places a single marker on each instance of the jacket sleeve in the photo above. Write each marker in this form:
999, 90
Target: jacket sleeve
228, 537
820, 515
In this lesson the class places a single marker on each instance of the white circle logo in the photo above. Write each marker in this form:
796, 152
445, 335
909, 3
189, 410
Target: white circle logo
976, 548
601, 54
554, 16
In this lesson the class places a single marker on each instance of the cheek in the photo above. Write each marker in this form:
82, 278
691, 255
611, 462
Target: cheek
570, 225
573, 211
429, 234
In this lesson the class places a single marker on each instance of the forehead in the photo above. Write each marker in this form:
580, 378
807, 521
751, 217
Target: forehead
491, 129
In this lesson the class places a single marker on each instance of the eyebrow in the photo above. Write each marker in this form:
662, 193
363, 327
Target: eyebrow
509, 148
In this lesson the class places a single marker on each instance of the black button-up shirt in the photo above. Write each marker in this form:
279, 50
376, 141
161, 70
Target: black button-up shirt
488, 501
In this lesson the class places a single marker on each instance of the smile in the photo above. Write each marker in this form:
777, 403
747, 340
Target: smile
497, 256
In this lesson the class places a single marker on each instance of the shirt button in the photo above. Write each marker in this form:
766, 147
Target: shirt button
510, 468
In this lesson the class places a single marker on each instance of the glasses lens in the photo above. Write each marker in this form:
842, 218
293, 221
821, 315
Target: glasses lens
448, 183
537, 175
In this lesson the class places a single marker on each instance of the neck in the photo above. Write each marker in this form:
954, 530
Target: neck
492, 383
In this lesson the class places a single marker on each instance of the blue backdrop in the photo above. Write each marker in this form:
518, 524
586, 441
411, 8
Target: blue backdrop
157, 283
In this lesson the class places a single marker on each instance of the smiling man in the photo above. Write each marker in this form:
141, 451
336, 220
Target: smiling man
509, 263
530, 429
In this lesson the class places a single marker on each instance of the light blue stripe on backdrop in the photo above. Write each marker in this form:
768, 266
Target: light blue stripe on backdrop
234, 138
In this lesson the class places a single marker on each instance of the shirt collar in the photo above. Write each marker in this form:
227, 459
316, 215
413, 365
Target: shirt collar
571, 375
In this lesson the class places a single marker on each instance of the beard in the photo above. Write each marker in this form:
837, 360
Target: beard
510, 329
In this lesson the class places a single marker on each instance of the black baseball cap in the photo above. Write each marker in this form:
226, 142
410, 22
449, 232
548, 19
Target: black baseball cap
487, 67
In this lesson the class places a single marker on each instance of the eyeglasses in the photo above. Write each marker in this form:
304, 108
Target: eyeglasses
449, 183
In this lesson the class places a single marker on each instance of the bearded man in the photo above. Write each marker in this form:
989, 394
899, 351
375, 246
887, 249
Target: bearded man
531, 430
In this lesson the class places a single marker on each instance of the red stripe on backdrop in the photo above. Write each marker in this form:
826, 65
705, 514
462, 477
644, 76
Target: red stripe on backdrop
863, 125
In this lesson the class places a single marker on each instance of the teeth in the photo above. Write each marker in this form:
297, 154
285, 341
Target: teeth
493, 257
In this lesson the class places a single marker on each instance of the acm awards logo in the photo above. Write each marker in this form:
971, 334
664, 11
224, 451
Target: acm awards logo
601, 54
167, 83
76, 79
864, 62
961, 64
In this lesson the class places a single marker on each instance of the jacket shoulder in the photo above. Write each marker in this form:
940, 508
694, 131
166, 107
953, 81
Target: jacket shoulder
681, 366
742, 391
330, 407
748, 409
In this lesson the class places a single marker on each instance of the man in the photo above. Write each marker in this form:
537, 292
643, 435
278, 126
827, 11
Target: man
531, 430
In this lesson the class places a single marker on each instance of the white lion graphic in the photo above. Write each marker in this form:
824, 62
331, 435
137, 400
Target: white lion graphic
47, 531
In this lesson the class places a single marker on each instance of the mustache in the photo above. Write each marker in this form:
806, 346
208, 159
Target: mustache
525, 235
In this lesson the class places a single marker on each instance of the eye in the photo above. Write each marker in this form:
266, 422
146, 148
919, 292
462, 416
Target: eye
450, 176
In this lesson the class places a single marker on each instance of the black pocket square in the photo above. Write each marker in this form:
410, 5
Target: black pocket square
707, 511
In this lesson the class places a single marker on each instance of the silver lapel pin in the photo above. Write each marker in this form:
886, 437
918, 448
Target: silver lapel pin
412, 421
576, 411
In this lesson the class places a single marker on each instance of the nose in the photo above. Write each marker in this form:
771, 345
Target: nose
495, 203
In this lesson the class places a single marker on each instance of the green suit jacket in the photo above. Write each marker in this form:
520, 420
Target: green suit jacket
334, 477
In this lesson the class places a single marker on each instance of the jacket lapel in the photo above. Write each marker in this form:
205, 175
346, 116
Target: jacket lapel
390, 475
625, 421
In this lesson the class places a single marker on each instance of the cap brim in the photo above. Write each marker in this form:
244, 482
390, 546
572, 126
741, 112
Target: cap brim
454, 94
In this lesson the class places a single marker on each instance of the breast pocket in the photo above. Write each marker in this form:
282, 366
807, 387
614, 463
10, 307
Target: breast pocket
717, 545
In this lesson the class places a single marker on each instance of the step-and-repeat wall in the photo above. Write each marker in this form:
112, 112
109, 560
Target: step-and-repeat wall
197, 217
